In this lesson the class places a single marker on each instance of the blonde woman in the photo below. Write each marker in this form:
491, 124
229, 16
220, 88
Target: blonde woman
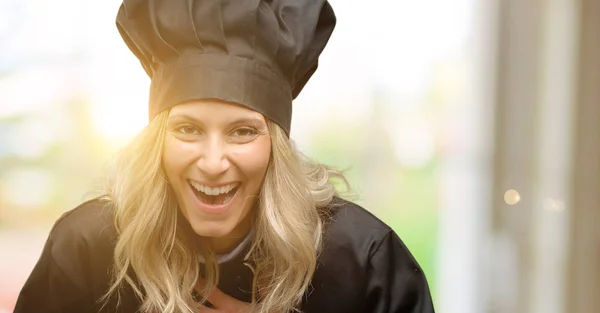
211, 208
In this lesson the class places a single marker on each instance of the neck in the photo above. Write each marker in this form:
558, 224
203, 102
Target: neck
225, 244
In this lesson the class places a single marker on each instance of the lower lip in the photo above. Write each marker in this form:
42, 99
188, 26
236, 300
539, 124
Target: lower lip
213, 209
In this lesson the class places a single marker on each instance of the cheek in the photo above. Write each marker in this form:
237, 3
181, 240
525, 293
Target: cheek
253, 159
176, 157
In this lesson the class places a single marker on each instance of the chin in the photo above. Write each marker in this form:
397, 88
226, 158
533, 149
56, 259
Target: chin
211, 229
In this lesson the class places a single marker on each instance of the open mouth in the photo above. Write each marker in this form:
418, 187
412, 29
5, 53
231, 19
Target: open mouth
214, 196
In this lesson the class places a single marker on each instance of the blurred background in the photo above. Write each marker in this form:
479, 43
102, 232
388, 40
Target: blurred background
469, 126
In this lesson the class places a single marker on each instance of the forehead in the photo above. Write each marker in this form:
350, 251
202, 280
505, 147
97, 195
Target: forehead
214, 110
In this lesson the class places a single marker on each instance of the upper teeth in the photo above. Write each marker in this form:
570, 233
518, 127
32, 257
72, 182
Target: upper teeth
213, 191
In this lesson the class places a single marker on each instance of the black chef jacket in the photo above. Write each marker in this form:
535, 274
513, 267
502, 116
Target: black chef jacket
364, 267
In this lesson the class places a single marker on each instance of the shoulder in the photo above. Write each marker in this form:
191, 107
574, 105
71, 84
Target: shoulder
73, 268
90, 221
350, 224
362, 259
82, 240
353, 230
344, 211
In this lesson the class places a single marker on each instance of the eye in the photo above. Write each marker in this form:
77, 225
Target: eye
187, 130
243, 135
245, 132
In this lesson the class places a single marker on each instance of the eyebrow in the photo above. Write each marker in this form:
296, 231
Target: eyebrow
242, 120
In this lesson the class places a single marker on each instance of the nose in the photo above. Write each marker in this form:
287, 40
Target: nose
213, 159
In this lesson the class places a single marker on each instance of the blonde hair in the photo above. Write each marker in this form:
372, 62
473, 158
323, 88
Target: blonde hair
155, 253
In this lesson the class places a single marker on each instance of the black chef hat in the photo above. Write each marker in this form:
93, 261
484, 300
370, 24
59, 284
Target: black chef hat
257, 53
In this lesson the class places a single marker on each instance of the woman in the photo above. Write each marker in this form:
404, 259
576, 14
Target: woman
211, 208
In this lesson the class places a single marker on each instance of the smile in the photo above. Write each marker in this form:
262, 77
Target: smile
214, 195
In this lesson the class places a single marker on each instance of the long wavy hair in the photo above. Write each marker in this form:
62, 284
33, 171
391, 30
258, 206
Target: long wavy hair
156, 253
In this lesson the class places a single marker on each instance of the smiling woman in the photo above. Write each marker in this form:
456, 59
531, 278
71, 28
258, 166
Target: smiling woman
211, 208
215, 157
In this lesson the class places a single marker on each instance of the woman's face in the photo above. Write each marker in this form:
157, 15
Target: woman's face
216, 155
